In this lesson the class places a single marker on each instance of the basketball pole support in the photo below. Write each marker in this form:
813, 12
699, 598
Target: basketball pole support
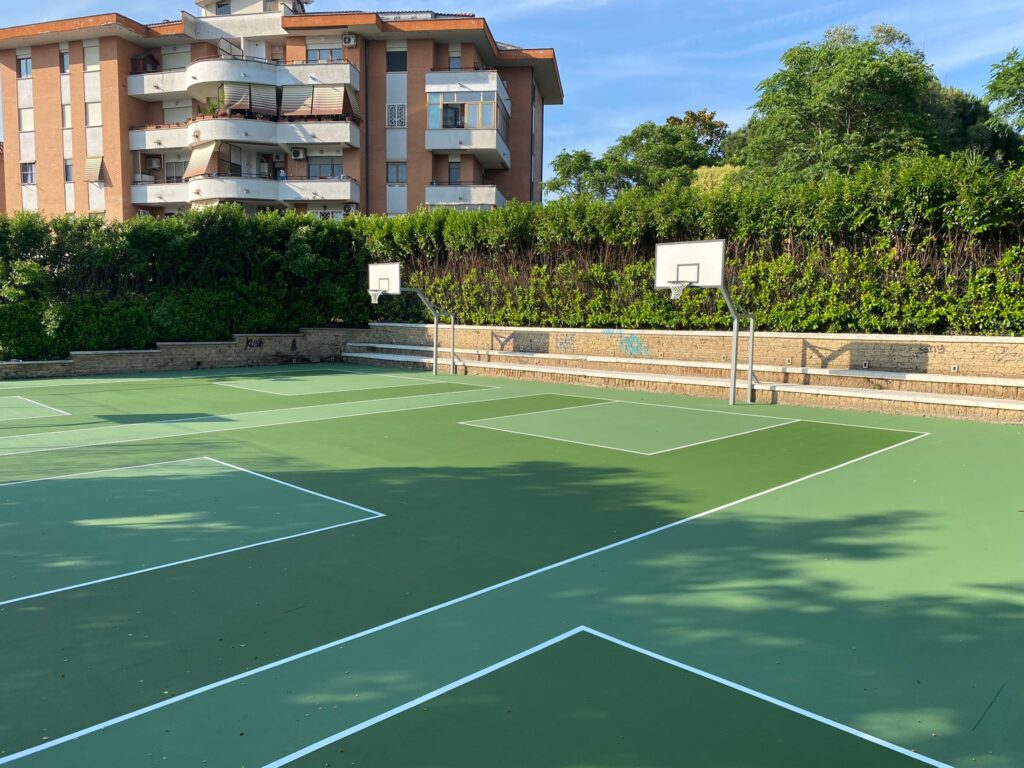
737, 318
437, 313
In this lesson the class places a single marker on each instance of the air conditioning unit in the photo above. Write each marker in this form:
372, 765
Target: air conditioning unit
349, 40
153, 163
349, 208
298, 154
279, 157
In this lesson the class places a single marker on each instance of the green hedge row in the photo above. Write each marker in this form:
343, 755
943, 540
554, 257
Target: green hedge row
922, 244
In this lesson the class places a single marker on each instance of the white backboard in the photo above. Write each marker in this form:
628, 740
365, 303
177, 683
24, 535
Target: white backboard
700, 263
386, 278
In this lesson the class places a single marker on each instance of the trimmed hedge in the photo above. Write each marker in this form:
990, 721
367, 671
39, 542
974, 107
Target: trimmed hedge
920, 245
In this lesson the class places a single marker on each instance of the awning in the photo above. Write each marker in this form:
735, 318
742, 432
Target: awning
328, 100
94, 169
351, 103
236, 96
199, 162
296, 100
264, 100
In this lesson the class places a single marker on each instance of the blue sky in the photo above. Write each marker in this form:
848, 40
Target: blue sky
624, 62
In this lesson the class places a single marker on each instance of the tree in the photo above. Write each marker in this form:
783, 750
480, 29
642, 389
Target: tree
647, 158
841, 102
710, 132
1006, 90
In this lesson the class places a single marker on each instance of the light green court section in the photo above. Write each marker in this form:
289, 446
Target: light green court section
64, 532
319, 382
16, 408
643, 428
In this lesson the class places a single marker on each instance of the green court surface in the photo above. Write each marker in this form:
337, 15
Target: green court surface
333, 565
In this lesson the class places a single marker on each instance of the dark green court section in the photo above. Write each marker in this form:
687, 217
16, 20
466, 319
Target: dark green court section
586, 701
68, 530
466, 508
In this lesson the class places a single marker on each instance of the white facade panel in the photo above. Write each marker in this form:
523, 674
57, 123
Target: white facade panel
397, 145
68, 151
29, 197
25, 93
397, 88
69, 198
97, 196
94, 141
92, 87
398, 199
27, 142
65, 89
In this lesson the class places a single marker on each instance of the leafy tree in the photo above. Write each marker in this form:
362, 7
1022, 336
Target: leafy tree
710, 131
843, 101
1006, 90
647, 158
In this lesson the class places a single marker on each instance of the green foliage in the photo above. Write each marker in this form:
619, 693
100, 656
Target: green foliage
1006, 89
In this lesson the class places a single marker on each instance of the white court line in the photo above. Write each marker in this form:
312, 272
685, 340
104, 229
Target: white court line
371, 515
623, 644
55, 411
214, 418
433, 609
419, 380
478, 423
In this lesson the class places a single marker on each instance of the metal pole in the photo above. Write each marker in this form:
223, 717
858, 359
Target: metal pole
437, 331
750, 364
454, 319
735, 343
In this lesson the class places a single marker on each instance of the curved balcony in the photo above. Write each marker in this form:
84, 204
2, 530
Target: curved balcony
205, 76
211, 189
157, 86
245, 131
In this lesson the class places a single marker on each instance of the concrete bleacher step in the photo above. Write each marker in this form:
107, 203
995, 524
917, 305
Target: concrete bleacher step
857, 398
968, 386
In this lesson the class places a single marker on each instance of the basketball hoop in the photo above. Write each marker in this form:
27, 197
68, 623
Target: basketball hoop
676, 288
375, 296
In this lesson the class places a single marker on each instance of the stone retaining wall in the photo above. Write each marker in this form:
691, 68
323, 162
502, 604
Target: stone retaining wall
310, 345
991, 356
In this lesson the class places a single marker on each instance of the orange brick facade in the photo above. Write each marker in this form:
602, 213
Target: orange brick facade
152, 118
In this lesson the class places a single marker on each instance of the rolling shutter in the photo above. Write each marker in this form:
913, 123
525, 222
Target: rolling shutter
236, 97
264, 100
94, 169
296, 101
199, 162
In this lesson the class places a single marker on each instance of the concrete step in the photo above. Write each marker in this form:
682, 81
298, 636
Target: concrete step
966, 386
880, 401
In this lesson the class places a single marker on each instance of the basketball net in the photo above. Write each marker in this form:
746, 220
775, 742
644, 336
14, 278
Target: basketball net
676, 288
375, 296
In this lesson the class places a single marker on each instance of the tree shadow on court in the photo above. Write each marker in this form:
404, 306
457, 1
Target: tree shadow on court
804, 606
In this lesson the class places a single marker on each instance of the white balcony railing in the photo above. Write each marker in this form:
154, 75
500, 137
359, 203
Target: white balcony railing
205, 189
244, 131
486, 145
458, 195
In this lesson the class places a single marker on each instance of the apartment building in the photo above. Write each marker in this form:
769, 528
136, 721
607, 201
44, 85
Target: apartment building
267, 104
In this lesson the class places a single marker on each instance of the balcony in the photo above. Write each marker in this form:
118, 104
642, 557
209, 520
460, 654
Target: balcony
158, 138
486, 145
245, 131
210, 189
461, 81
203, 77
157, 86
459, 195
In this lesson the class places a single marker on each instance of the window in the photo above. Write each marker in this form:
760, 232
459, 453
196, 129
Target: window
65, 115
398, 173
454, 171
65, 62
93, 114
174, 172
230, 161
24, 67
26, 120
324, 55
92, 58
397, 116
454, 62
325, 168
69, 171
452, 116
398, 61
224, 8
28, 173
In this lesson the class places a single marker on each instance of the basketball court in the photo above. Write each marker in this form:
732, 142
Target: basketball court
331, 565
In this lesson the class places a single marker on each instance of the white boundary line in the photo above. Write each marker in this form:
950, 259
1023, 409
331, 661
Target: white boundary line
623, 644
479, 423
56, 411
215, 416
435, 608
371, 515
420, 381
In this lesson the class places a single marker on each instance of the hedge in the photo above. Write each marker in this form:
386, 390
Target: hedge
920, 245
